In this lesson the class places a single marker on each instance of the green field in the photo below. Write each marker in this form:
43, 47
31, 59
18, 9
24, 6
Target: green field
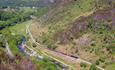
14, 34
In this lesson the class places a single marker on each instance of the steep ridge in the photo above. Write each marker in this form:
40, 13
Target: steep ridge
69, 31
59, 18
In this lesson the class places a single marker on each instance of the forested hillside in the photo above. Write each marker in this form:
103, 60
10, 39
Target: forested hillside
12, 18
30, 3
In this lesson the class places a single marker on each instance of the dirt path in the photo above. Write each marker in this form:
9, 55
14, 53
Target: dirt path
8, 51
57, 56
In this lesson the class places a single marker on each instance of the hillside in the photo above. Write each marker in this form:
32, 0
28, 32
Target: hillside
13, 31
80, 28
57, 35
30, 3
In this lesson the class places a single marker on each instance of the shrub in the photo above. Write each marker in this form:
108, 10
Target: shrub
97, 62
102, 59
83, 65
34, 45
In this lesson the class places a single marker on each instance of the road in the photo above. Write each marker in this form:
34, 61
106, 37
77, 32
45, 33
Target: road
44, 50
8, 51
59, 57
54, 54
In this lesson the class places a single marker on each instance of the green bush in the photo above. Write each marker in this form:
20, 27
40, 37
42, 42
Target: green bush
97, 62
102, 59
83, 65
34, 45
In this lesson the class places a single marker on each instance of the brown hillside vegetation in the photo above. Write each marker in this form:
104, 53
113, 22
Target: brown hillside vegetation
81, 24
89, 37
8, 64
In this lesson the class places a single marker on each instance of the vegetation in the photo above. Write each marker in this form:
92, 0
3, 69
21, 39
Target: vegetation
92, 35
62, 16
13, 35
45, 64
12, 18
83, 65
93, 67
73, 27
21, 3
13, 28
41, 11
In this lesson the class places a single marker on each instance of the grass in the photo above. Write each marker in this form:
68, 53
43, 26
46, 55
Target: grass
61, 17
72, 66
45, 64
111, 66
20, 28
70, 12
41, 11
48, 53
18, 31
